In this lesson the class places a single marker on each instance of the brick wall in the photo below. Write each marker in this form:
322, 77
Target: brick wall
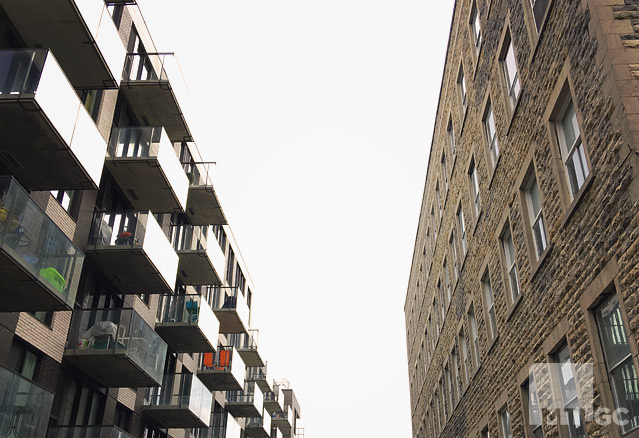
591, 44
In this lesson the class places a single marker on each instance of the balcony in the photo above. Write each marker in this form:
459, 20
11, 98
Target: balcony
246, 346
181, 402
201, 263
87, 432
283, 420
24, 406
40, 266
222, 426
229, 305
145, 166
274, 401
258, 426
187, 324
153, 97
203, 206
82, 35
130, 248
41, 116
116, 348
223, 370
258, 375
248, 402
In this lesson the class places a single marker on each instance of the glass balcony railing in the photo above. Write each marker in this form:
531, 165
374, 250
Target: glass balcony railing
203, 204
283, 419
229, 304
171, 96
261, 424
87, 432
180, 315
150, 268
24, 406
248, 402
141, 159
200, 263
114, 335
189, 237
199, 173
254, 374
36, 93
32, 241
184, 392
222, 426
222, 370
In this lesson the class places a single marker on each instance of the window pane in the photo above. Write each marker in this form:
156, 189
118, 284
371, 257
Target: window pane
505, 424
626, 389
569, 126
612, 332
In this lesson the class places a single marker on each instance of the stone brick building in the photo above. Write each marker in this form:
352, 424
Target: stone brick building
526, 249
125, 304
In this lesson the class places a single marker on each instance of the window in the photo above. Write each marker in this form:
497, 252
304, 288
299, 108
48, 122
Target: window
45, 317
92, 100
474, 186
535, 216
461, 84
511, 74
66, 198
491, 134
433, 220
504, 419
569, 398
485, 433
571, 148
464, 356
622, 373
539, 11
442, 302
451, 136
449, 294
436, 308
511, 266
24, 360
454, 363
475, 27
474, 336
229, 266
439, 200
452, 244
462, 230
532, 412
442, 390
489, 299
449, 388
84, 405
444, 172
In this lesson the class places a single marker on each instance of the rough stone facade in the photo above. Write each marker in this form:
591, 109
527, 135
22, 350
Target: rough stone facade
584, 51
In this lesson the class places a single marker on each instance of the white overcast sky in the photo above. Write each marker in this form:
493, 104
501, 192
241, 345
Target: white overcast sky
320, 117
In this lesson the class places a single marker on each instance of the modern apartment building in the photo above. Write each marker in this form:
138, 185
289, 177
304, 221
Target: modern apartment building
125, 302
522, 304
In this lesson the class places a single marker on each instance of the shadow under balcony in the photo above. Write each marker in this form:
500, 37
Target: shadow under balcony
24, 406
39, 265
246, 346
258, 426
49, 139
187, 324
87, 432
116, 348
145, 166
231, 309
223, 370
131, 249
153, 97
181, 402
81, 33
248, 402
202, 262
203, 205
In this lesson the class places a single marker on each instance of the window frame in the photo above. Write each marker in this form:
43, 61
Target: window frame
492, 143
509, 265
510, 85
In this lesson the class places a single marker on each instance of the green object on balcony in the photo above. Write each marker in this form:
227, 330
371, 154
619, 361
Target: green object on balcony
54, 278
